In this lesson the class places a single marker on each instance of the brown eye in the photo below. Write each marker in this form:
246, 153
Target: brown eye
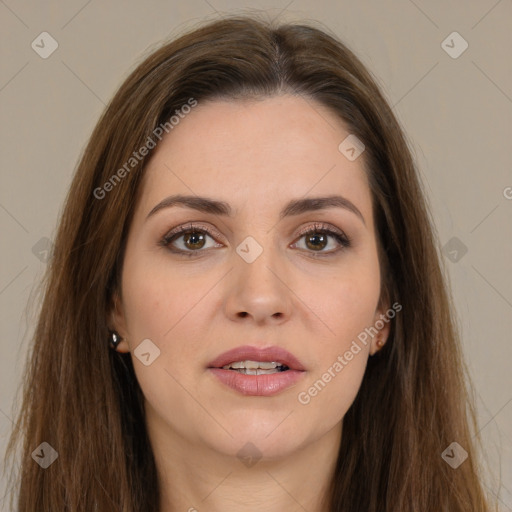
316, 241
188, 239
194, 238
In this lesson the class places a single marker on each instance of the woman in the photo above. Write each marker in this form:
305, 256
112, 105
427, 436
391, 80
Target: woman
245, 309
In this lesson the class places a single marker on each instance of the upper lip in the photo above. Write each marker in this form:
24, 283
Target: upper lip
250, 353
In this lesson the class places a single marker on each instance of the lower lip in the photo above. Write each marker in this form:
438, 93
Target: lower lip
258, 385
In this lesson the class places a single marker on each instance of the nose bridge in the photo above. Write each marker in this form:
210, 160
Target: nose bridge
259, 287
259, 242
259, 259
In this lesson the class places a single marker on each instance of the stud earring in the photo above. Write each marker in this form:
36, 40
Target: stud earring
114, 339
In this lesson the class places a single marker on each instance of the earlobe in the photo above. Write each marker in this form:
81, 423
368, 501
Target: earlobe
117, 343
117, 326
382, 324
379, 343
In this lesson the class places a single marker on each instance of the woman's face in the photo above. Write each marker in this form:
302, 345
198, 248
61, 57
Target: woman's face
250, 278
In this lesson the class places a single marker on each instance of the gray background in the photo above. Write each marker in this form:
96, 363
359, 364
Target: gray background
457, 113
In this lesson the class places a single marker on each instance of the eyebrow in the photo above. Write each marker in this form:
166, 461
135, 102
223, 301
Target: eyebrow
292, 208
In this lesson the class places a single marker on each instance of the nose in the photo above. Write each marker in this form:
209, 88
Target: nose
259, 290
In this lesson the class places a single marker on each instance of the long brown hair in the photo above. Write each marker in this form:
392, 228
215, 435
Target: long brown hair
84, 399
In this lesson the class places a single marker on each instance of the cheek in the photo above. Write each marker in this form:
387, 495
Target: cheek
158, 298
162, 305
340, 359
347, 306
167, 306
331, 392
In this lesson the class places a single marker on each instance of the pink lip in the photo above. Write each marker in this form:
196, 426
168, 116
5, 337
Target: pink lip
258, 385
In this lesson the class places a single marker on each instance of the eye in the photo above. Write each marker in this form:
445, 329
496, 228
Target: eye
316, 239
194, 239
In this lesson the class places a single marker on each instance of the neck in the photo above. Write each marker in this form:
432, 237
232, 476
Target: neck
196, 478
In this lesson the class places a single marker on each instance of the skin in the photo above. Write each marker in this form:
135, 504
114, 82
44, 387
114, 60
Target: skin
255, 155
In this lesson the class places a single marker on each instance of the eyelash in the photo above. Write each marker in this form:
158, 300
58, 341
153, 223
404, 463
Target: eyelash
317, 228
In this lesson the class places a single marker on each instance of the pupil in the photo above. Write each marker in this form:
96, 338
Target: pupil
192, 235
313, 237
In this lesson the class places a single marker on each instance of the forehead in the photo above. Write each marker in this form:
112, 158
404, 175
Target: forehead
254, 150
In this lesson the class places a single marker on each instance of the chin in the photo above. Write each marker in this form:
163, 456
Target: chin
252, 449
262, 434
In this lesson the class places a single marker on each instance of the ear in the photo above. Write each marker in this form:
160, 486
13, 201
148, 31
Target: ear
382, 323
117, 322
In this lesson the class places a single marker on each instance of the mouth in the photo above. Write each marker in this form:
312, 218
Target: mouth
253, 358
257, 372
256, 367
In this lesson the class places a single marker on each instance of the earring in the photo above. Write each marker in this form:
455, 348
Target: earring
114, 339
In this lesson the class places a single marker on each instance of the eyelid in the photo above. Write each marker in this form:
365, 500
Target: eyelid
322, 226
193, 225
342, 239
190, 226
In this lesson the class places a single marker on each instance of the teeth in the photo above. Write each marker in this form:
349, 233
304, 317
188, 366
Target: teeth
256, 371
252, 365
